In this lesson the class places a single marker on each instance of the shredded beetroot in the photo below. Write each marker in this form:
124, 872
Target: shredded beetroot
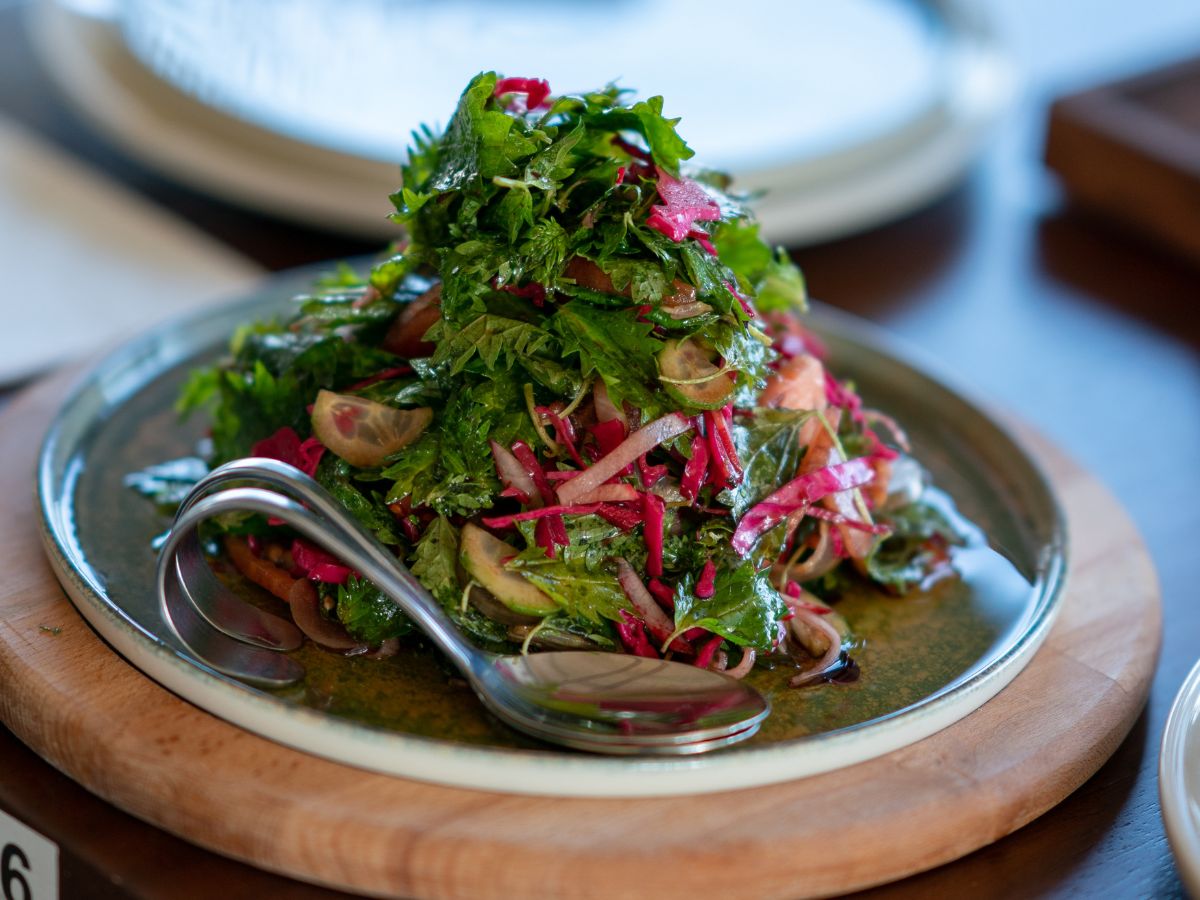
705, 654
792, 589
532, 291
609, 435
654, 510
394, 372
308, 456
579, 509
706, 586
649, 475
285, 445
797, 493
684, 204
633, 636
695, 470
620, 176
543, 536
663, 594
316, 564
620, 515
701, 237
536, 90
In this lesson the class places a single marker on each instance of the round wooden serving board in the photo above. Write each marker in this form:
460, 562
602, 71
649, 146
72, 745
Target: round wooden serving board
120, 735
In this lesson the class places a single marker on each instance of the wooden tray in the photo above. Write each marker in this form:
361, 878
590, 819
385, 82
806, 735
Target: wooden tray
120, 735
1130, 150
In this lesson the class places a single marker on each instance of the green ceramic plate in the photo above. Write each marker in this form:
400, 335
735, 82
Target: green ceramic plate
926, 660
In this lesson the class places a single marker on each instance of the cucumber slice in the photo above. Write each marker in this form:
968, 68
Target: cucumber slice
688, 371
483, 556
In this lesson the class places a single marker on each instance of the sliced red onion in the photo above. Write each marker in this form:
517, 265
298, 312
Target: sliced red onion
622, 516
798, 492
821, 561
305, 603
513, 475
745, 664
533, 470
651, 613
611, 493
641, 441
804, 618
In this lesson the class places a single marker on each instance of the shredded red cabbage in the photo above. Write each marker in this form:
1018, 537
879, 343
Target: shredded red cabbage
285, 446
685, 203
797, 493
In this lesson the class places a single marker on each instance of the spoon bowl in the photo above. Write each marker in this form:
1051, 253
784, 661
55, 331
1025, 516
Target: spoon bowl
601, 702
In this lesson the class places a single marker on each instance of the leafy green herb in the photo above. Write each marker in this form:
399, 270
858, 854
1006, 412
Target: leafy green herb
369, 614
744, 607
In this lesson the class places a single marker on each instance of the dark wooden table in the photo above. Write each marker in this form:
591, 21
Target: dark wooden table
1087, 332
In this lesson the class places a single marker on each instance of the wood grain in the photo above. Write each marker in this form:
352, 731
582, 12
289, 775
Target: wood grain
96, 718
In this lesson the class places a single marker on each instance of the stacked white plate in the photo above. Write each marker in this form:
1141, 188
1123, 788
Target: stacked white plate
849, 113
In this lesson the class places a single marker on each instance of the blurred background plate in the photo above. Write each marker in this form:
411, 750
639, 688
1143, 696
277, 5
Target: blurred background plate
859, 111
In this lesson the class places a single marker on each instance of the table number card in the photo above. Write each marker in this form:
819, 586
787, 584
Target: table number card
28, 862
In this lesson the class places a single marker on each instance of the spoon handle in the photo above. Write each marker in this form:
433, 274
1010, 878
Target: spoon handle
324, 521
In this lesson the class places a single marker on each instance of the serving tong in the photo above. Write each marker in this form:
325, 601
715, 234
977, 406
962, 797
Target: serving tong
590, 700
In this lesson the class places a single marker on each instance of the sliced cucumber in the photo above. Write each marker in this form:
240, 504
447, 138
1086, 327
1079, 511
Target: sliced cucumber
483, 556
688, 371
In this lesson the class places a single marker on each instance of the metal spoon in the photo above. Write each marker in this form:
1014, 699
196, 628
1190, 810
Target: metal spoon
601, 702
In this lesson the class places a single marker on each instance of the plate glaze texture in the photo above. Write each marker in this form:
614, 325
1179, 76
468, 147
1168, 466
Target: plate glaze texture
926, 661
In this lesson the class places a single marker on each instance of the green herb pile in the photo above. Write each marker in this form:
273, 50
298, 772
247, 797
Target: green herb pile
580, 286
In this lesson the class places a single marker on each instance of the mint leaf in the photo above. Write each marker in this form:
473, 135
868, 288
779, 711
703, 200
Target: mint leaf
582, 593
744, 607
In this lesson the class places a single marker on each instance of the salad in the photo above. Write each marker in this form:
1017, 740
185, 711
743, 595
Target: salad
577, 400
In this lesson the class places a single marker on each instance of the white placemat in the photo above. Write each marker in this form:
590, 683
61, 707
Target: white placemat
85, 261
